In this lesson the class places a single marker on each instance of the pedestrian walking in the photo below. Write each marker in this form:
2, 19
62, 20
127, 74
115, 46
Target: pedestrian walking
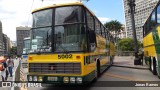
10, 64
3, 69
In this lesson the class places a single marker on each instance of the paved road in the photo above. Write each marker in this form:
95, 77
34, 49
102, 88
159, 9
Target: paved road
119, 75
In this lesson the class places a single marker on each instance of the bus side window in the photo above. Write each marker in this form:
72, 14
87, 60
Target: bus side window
92, 40
152, 20
158, 13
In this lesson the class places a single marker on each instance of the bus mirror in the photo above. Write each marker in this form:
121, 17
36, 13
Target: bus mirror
92, 36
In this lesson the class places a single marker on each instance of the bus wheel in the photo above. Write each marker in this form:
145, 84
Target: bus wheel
154, 71
97, 71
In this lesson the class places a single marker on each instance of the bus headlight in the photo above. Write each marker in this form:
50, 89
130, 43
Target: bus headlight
34, 78
65, 79
79, 80
30, 78
40, 79
72, 80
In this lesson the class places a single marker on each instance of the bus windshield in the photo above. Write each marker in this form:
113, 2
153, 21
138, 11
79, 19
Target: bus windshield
69, 29
66, 33
69, 38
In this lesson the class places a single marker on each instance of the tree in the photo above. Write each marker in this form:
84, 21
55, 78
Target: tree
127, 44
12, 51
114, 26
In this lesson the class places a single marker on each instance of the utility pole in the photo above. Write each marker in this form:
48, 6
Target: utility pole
131, 4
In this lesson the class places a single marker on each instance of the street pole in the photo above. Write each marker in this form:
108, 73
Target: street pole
131, 4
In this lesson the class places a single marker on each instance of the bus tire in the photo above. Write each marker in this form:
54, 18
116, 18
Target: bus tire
97, 71
154, 71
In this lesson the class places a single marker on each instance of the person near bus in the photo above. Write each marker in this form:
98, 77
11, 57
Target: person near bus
10, 64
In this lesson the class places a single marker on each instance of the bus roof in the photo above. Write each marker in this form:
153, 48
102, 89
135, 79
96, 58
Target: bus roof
60, 5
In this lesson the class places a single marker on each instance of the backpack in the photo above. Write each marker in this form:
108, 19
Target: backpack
2, 67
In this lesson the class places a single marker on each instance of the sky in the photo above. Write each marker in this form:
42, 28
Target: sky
15, 13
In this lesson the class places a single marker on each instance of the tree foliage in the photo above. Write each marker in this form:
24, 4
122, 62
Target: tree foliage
12, 52
114, 26
127, 44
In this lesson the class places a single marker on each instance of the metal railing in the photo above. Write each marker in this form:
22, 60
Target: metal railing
16, 76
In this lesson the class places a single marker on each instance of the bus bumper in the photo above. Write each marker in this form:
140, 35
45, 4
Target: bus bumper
66, 80
59, 80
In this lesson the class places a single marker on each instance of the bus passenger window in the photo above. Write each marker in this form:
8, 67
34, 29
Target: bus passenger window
92, 40
158, 14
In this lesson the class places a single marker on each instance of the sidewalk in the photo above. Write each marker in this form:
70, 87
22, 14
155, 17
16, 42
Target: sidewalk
16, 62
127, 61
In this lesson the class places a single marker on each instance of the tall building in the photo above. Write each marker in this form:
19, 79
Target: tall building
21, 33
1, 39
143, 9
7, 44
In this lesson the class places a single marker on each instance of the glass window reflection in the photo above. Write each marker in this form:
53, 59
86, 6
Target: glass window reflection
67, 15
42, 18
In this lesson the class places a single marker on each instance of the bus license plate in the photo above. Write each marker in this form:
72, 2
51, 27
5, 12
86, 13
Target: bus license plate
52, 78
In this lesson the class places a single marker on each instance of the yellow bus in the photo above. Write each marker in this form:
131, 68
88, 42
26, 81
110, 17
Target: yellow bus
151, 41
69, 45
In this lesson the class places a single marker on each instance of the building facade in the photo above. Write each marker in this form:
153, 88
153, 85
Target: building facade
21, 33
7, 44
122, 34
143, 9
1, 40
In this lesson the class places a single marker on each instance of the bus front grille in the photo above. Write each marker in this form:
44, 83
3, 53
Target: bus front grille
55, 68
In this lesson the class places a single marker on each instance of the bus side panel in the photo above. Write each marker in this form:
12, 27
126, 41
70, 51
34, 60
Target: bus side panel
157, 46
149, 48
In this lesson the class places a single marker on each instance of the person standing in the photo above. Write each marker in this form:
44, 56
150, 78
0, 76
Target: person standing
4, 72
10, 64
